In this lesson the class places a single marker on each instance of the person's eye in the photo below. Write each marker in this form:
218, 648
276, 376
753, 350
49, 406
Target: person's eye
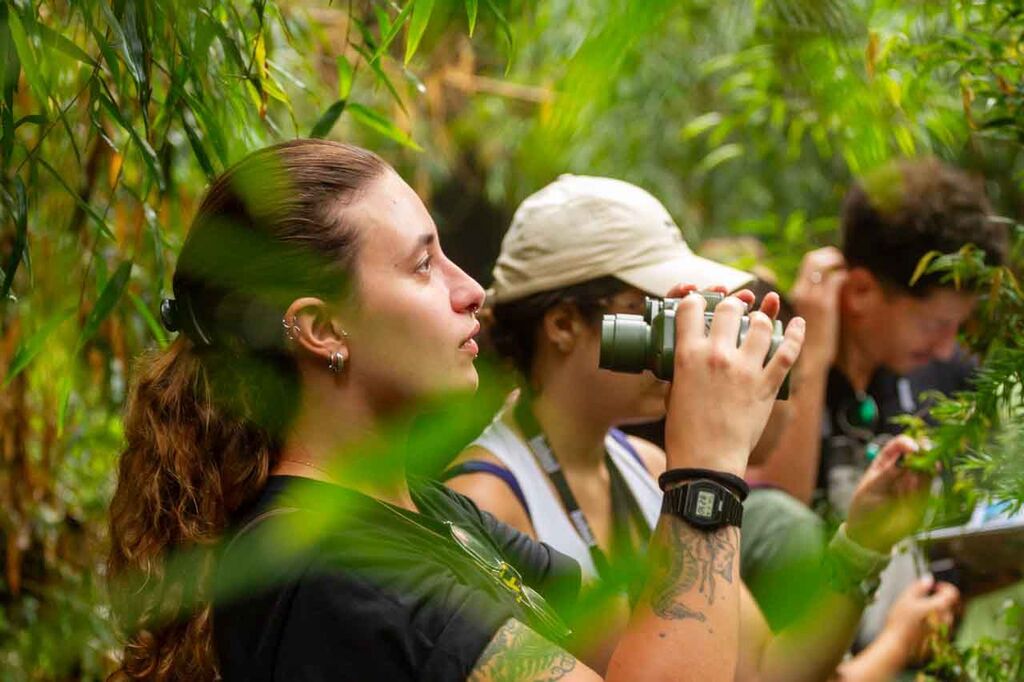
423, 267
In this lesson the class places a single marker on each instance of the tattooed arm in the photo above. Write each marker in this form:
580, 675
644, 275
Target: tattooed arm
518, 654
686, 624
684, 627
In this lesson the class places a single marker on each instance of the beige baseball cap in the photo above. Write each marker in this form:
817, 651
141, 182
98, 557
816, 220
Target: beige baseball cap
580, 228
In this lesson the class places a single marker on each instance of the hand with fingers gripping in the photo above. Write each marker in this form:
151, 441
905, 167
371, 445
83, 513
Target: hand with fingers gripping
722, 394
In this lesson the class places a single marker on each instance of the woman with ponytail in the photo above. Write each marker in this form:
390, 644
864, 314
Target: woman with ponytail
315, 311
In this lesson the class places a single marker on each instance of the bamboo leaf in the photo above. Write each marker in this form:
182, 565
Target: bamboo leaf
328, 119
109, 56
154, 326
382, 78
52, 39
29, 65
197, 148
108, 298
382, 124
38, 119
922, 266
149, 156
122, 41
101, 222
421, 11
471, 10
700, 124
345, 76
31, 347
506, 30
19, 212
718, 156
391, 33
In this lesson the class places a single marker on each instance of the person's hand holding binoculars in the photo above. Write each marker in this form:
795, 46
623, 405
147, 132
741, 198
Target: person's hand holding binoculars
722, 393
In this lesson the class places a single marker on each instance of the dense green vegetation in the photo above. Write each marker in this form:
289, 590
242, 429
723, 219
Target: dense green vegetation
747, 117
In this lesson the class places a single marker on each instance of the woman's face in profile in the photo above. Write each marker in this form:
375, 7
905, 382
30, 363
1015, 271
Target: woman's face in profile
411, 334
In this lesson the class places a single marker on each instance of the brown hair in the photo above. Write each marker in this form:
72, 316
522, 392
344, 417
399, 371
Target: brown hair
204, 418
899, 212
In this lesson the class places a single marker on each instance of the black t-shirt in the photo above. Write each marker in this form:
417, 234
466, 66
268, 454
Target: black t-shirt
845, 432
377, 597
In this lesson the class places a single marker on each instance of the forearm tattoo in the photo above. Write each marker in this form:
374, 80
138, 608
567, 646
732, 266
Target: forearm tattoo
687, 566
518, 654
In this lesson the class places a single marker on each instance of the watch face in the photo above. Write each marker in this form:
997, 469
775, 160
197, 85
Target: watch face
705, 506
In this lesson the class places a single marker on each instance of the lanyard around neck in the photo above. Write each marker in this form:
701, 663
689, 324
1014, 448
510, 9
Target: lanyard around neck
538, 444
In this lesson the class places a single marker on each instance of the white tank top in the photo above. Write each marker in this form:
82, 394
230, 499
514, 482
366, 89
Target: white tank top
550, 522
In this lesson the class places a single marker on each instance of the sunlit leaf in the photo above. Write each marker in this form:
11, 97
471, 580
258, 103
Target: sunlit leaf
700, 124
55, 40
392, 32
29, 65
471, 10
345, 76
29, 348
922, 266
381, 124
421, 11
719, 156
108, 298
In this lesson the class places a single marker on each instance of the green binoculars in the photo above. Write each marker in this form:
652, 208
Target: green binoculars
633, 343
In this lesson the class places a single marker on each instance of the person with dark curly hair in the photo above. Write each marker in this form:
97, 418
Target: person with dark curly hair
877, 339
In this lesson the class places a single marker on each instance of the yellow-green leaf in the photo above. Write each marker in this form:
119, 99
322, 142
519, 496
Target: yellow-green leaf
922, 266
471, 10
382, 124
421, 11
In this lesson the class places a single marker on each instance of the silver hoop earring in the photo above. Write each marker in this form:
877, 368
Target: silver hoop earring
336, 363
291, 331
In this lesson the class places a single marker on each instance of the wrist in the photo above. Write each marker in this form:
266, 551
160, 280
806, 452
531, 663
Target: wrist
730, 461
892, 650
862, 536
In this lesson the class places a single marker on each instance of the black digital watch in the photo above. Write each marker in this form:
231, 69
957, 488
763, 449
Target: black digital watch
703, 504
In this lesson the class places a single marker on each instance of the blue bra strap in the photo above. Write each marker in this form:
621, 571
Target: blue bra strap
476, 466
623, 440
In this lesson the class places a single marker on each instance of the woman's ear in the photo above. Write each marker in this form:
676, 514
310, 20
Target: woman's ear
562, 327
314, 327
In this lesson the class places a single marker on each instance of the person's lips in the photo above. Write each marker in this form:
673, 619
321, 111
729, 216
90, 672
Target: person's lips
468, 344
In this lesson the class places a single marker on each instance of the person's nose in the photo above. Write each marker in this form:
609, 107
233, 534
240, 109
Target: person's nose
467, 294
945, 348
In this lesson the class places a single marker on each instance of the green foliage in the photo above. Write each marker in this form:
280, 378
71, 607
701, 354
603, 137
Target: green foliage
747, 117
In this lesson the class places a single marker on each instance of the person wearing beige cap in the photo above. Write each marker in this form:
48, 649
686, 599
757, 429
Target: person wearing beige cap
553, 464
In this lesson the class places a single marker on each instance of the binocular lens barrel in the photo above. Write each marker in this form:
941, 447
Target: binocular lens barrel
624, 343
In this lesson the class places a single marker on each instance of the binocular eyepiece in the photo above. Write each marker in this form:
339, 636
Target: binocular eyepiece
633, 343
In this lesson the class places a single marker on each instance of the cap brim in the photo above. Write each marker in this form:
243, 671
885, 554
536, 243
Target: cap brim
687, 268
